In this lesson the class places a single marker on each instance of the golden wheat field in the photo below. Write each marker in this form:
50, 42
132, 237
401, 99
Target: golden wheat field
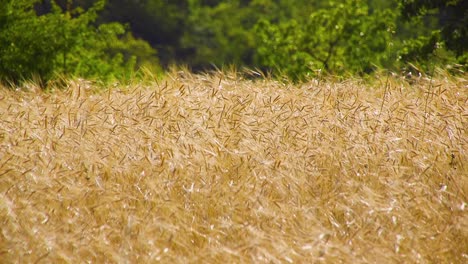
218, 168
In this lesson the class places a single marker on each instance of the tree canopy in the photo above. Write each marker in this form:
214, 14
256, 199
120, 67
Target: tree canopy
112, 39
65, 40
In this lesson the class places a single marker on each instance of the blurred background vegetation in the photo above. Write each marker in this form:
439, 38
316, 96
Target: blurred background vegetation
112, 40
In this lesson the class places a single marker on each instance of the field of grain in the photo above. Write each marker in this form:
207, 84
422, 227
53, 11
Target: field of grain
216, 168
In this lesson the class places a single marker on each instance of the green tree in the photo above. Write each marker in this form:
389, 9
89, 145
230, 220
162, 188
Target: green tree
223, 32
452, 16
162, 23
344, 36
25, 42
449, 33
65, 42
219, 34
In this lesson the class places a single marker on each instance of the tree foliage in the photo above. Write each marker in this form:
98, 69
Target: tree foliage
341, 37
91, 38
449, 34
219, 33
160, 22
65, 42
452, 16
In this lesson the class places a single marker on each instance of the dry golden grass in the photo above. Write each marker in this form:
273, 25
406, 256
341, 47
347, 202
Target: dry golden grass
213, 168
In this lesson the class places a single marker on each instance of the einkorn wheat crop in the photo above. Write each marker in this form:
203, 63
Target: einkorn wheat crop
216, 168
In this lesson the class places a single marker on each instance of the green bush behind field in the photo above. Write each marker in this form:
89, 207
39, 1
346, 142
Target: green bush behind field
66, 42
112, 40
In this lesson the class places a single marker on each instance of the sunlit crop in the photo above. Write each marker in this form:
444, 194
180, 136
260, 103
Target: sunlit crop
217, 168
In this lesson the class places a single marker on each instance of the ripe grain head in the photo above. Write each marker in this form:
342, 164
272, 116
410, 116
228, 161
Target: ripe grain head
211, 168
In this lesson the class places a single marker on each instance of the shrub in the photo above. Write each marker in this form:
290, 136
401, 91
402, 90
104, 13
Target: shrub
65, 42
343, 37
